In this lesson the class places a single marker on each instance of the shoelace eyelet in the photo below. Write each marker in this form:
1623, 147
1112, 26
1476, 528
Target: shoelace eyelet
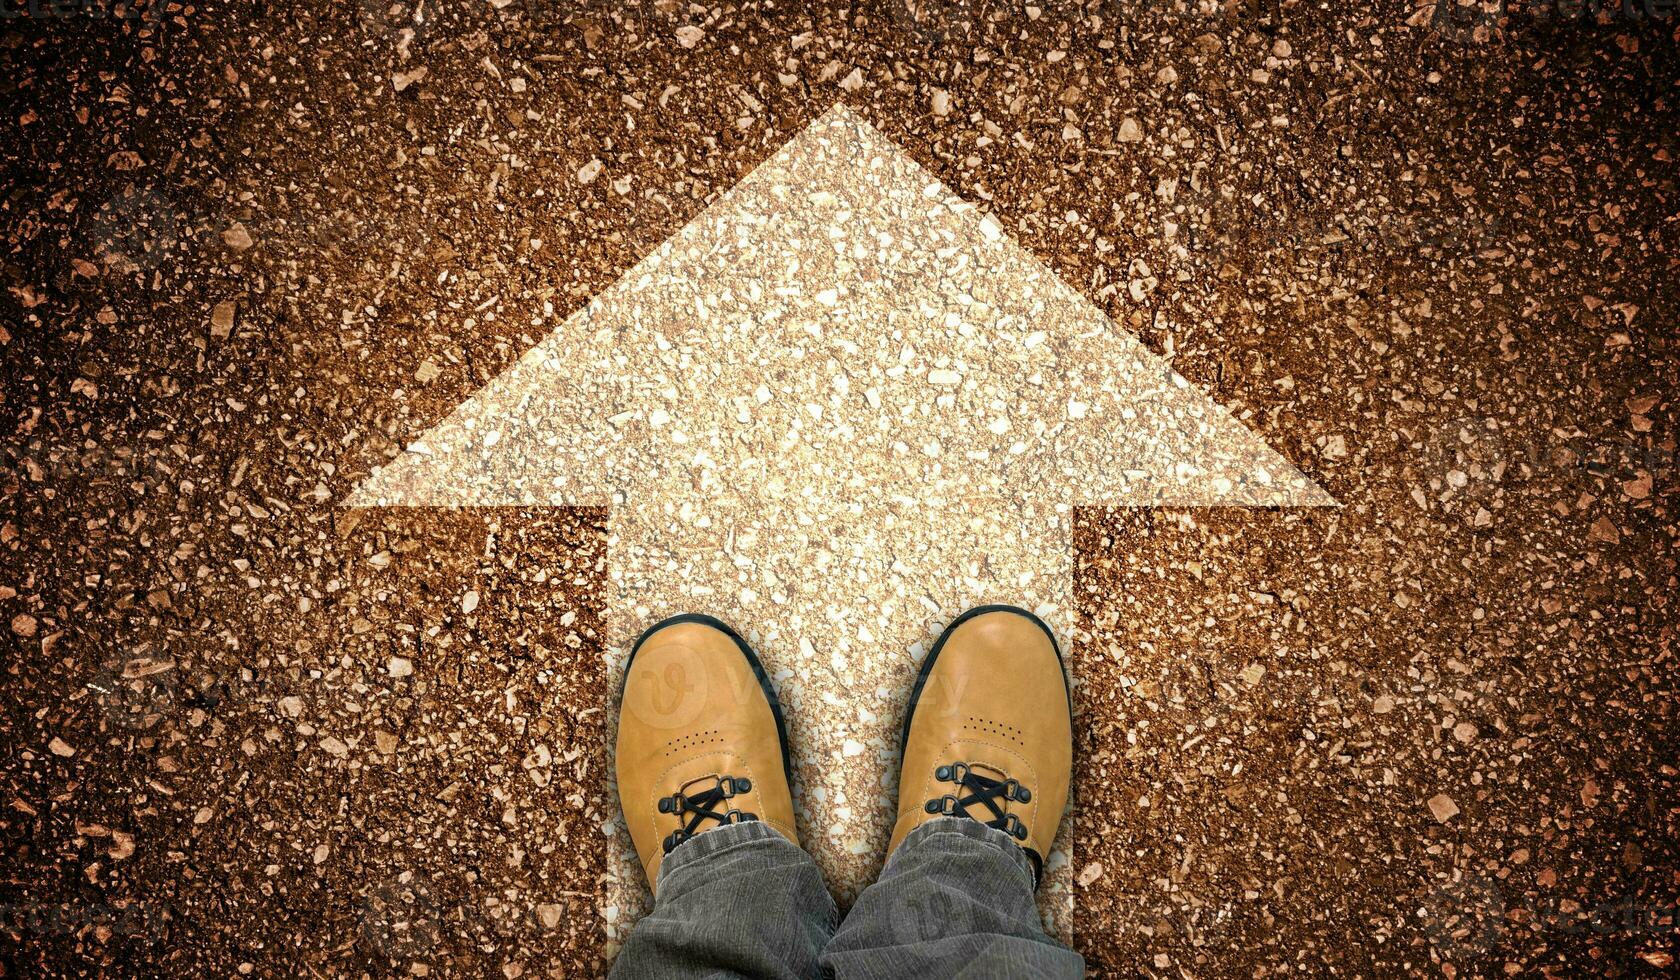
978, 789
703, 806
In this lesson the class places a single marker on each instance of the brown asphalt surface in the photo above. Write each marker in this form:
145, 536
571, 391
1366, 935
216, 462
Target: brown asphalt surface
251, 249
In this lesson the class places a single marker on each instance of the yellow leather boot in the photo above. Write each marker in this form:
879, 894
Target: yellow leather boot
701, 739
988, 734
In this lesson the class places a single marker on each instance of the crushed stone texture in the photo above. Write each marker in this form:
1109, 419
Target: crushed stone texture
836, 409
1423, 252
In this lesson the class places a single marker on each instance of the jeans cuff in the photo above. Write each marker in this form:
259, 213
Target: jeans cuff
942, 829
702, 846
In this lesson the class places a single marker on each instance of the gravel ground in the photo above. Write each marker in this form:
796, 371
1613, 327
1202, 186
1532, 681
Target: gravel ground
250, 251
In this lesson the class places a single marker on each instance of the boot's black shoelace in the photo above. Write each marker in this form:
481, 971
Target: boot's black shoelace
703, 806
976, 789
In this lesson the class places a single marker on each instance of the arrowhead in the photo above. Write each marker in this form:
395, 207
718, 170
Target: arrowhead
543, 433
841, 319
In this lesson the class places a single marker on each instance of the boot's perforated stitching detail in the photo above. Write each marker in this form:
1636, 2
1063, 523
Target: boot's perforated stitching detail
693, 741
976, 719
995, 728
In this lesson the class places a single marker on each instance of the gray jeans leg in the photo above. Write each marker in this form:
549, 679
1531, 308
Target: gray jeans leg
737, 902
955, 900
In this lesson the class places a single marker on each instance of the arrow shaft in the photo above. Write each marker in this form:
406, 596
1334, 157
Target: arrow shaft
841, 599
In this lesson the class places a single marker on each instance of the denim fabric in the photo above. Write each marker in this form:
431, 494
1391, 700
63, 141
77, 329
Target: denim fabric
738, 901
955, 900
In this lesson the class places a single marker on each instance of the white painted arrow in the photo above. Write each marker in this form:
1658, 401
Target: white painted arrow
836, 409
